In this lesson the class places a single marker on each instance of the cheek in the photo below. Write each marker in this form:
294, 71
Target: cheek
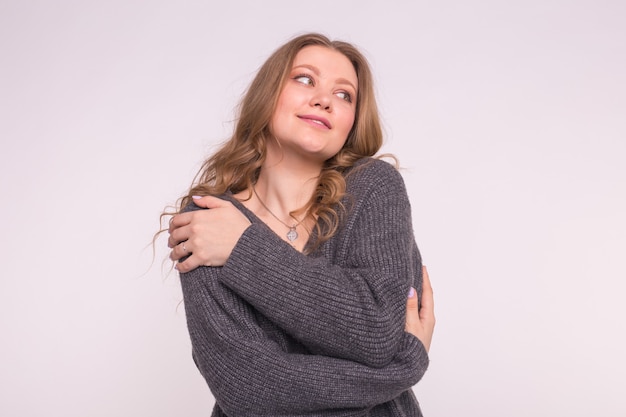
277, 115
347, 121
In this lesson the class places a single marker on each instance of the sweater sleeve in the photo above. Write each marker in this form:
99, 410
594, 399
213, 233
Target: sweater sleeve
249, 374
353, 308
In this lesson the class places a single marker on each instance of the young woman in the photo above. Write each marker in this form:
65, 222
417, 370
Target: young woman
295, 279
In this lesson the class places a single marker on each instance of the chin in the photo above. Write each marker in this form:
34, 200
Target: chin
321, 151
321, 155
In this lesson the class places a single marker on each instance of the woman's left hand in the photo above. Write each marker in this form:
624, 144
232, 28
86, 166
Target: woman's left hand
206, 236
420, 317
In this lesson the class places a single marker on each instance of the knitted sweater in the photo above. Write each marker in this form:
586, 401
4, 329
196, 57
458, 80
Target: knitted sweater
276, 332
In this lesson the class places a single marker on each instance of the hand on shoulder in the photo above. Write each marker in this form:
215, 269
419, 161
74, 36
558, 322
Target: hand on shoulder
205, 237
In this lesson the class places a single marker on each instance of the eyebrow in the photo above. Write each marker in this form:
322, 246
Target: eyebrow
316, 71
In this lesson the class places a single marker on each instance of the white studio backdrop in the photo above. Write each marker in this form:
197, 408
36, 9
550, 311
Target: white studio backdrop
509, 119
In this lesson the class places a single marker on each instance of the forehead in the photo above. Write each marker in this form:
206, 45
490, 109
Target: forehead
330, 63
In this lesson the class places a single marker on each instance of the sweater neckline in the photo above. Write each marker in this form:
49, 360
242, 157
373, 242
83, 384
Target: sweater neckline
256, 220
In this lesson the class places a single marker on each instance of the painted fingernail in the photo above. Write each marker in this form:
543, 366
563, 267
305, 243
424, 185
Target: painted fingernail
196, 197
411, 292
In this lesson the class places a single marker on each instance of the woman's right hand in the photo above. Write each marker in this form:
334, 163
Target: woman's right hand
420, 321
205, 237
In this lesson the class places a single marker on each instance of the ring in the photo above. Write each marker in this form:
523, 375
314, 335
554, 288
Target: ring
184, 248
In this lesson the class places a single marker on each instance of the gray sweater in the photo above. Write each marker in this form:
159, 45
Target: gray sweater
279, 333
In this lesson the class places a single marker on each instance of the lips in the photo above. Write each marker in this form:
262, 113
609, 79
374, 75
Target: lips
316, 120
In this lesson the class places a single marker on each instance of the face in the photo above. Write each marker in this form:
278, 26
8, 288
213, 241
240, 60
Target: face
316, 108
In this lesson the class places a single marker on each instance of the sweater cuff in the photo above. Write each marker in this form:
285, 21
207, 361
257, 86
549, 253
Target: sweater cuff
259, 255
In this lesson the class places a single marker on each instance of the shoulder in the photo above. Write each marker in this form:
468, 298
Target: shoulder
371, 174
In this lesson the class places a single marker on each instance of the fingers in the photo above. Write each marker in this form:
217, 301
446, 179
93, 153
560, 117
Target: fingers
209, 201
189, 264
412, 299
176, 223
180, 251
412, 315
427, 309
179, 235
420, 317
426, 279
427, 301
178, 231
179, 220
206, 237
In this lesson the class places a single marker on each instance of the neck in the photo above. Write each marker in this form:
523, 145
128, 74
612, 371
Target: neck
287, 180
285, 185
276, 195
284, 189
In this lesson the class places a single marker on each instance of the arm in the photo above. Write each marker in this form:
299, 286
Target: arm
251, 375
353, 308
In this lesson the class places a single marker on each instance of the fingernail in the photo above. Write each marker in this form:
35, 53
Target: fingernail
411, 292
196, 197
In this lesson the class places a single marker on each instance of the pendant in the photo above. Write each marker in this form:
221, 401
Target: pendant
292, 234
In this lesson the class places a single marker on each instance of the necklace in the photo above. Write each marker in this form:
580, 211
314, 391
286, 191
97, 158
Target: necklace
292, 234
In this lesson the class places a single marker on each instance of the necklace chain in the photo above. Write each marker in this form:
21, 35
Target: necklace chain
292, 234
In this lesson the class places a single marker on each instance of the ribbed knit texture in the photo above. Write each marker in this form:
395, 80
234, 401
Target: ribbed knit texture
279, 333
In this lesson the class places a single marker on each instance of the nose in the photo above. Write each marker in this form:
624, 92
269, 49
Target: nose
322, 100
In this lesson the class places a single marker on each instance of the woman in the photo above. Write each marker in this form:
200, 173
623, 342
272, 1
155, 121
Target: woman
295, 279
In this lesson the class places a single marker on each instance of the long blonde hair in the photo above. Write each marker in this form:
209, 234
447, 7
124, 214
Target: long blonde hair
236, 165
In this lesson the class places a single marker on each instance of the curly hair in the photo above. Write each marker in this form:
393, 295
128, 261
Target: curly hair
235, 166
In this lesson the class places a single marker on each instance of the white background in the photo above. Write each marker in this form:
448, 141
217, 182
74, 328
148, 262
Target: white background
508, 117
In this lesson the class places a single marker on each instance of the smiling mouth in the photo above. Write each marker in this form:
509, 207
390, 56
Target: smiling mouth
316, 120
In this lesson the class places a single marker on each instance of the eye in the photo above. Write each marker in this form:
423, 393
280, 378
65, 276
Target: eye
304, 79
344, 96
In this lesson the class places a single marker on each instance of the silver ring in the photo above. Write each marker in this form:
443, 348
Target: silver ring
184, 248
